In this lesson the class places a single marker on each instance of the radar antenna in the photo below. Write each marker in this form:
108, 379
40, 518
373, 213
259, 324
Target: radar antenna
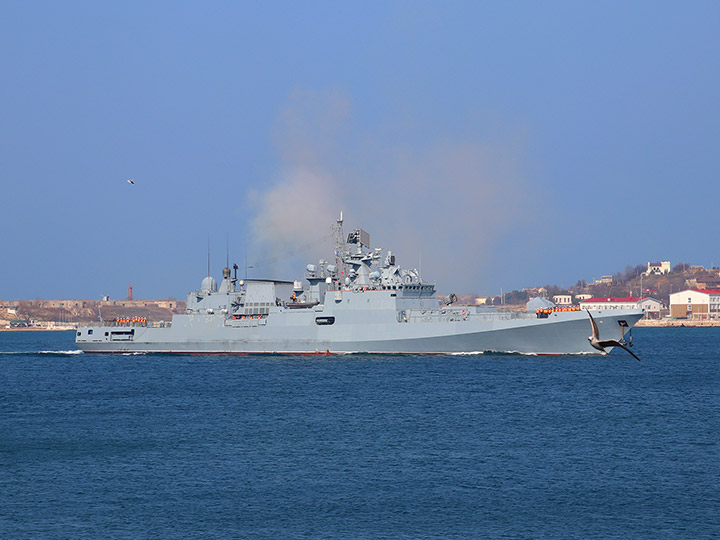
339, 250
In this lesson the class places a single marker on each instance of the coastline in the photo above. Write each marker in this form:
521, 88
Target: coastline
674, 323
39, 329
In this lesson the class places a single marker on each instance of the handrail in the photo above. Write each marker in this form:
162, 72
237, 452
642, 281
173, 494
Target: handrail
115, 324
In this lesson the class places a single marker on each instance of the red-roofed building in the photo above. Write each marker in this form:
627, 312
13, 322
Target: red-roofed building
699, 304
651, 306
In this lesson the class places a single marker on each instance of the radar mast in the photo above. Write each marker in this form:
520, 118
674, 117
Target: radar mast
339, 250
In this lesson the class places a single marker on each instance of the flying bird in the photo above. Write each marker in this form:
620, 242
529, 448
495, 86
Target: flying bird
130, 181
600, 345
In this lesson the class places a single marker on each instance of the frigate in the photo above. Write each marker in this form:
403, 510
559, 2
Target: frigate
361, 301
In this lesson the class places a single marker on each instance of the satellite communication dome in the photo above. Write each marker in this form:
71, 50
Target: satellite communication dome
209, 284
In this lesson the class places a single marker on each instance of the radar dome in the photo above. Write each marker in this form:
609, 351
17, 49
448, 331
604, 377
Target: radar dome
209, 284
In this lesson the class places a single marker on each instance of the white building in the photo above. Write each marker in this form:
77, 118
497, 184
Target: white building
658, 268
583, 296
562, 299
651, 306
699, 304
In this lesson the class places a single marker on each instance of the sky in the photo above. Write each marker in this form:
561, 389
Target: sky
493, 145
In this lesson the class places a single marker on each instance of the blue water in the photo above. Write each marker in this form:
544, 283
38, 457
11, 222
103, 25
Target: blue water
361, 446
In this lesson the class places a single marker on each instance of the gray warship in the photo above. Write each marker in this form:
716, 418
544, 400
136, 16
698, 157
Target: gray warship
362, 301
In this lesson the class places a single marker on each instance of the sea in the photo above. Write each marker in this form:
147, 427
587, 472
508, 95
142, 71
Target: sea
361, 446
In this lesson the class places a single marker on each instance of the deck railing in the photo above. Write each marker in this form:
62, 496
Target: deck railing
116, 324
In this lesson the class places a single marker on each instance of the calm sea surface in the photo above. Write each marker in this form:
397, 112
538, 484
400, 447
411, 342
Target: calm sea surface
361, 446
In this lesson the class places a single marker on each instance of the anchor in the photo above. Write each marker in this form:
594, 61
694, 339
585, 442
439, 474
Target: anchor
623, 333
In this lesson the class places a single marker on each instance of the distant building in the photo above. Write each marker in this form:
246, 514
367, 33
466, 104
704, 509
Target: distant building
649, 291
708, 283
56, 304
698, 304
581, 297
10, 307
604, 280
658, 268
562, 299
651, 306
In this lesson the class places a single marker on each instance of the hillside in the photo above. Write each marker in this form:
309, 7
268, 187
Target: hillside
631, 282
25, 312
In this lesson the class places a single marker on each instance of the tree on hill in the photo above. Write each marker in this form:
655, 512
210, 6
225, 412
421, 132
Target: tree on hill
632, 272
554, 290
516, 297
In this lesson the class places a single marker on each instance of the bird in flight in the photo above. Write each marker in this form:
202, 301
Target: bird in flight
599, 344
130, 181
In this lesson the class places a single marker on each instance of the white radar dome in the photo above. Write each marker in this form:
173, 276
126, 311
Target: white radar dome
209, 284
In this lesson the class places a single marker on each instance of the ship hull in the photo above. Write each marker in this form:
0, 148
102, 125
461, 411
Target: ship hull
380, 332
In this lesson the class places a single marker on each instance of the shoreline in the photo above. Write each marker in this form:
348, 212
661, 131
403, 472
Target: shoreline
36, 329
674, 323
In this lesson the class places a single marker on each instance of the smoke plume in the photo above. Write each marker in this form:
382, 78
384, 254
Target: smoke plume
442, 205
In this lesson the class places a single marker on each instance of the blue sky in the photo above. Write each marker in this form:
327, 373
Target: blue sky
503, 144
